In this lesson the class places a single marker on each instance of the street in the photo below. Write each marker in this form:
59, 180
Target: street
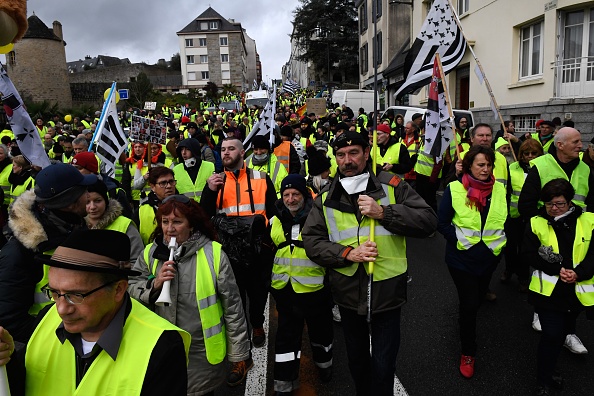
429, 352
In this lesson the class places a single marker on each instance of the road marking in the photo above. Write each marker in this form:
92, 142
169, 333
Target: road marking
255, 383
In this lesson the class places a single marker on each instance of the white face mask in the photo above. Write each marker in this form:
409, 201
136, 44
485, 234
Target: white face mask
190, 162
260, 157
355, 184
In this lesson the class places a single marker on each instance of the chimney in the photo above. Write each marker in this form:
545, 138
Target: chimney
57, 27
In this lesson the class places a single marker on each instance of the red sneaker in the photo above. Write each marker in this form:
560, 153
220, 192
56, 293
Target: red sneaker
467, 366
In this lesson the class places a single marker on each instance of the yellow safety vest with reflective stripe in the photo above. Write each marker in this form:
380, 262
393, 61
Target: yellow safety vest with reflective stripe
517, 176
343, 228
146, 188
544, 284
365, 121
500, 167
272, 167
184, 182
17, 190
5, 184
392, 155
40, 300
425, 163
467, 220
292, 264
148, 222
547, 145
209, 304
549, 169
51, 365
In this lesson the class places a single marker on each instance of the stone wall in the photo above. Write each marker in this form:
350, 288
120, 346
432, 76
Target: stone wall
39, 71
235, 62
214, 58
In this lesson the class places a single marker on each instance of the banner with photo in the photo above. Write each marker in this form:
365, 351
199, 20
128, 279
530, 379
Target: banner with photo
148, 130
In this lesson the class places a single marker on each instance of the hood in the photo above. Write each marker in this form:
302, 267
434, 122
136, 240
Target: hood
23, 221
191, 144
113, 211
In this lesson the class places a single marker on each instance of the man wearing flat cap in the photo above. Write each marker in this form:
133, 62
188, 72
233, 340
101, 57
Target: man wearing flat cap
39, 220
336, 236
96, 340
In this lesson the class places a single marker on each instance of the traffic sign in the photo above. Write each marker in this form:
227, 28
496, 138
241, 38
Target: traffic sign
124, 94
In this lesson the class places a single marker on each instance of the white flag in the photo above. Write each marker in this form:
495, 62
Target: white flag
109, 138
479, 74
438, 128
494, 110
24, 130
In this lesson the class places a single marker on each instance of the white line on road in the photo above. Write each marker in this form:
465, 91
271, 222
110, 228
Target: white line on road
255, 383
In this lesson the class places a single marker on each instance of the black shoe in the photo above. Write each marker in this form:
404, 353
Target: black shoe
325, 374
542, 390
239, 371
258, 337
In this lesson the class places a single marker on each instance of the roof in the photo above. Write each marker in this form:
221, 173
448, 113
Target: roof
39, 30
211, 15
98, 61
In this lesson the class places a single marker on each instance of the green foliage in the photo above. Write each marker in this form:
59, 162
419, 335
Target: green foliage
212, 91
175, 63
141, 91
43, 109
229, 89
328, 31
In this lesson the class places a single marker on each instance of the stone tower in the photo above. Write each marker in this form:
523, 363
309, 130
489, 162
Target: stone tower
37, 64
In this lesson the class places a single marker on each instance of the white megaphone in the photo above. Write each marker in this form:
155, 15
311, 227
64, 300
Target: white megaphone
164, 299
4, 388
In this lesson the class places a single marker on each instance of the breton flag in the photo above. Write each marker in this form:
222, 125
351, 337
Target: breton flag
255, 86
265, 124
109, 136
24, 130
439, 34
438, 128
290, 86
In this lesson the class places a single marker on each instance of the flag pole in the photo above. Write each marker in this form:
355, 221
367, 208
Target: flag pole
105, 106
448, 104
483, 75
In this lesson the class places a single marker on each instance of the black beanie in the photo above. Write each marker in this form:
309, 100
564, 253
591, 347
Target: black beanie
260, 141
101, 189
317, 161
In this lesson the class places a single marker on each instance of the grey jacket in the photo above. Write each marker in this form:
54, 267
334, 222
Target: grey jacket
410, 217
183, 312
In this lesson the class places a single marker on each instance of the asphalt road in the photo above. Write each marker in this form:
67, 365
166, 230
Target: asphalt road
429, 352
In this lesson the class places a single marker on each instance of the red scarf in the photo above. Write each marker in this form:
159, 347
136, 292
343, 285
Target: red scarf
478, 190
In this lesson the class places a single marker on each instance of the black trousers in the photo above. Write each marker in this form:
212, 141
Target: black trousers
471, 294
294, 311
427, 190
253, 283
514, 230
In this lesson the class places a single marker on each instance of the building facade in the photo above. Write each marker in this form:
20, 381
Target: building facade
296, 69
214, 49
36, 75
538, 58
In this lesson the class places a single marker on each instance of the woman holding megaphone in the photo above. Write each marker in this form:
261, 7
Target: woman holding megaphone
187, 279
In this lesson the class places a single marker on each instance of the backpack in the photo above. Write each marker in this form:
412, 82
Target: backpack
218, 161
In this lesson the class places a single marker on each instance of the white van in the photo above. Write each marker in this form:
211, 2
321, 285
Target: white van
256, 98
354, 98
408, 112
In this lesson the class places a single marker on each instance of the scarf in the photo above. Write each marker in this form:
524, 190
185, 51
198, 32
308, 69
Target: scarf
478, 190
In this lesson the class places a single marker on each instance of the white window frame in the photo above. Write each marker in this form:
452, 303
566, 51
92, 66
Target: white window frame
525, 123
191, 76
529, 41
213, 25
223, 60
203, 58
204, 75
190, 59
201, 41
463, 6
225, 43
189, 42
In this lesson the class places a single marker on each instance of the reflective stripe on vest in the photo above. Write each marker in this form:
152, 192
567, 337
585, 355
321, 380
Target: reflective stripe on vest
278, 171
344, 228
209, 304
544, 284
549, 169
425, 163
305, 275
51, 365
517, 176
236, 200
184, 182
467, 219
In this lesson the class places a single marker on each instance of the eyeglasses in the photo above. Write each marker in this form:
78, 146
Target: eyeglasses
534, 153
559, 205
177, 198
165, 183
72, 298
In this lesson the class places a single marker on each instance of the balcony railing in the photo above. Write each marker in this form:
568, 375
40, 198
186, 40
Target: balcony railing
574, 78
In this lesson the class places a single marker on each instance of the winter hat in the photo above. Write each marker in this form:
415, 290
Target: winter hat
100, 188
59, 185
384, 128
286, 131
87, 160
321, 145
260, 141
349, 139
500, 142
295, 181
185, 120
317, 161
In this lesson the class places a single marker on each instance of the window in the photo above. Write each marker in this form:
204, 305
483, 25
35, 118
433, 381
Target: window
531, 53
203, 58
525, 123
204, 75
202, 42
189, 42
378, 8
190, 59
192, 76
463, 6
203, 25
363, 59
223, 41
225, 74
363, 17
224, 58
378, 43
213, 24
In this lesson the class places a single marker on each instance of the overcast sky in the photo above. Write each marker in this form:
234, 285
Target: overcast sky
145, 30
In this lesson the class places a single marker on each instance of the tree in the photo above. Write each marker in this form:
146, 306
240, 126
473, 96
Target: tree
175, 62
327, 31
212, 91
141, 90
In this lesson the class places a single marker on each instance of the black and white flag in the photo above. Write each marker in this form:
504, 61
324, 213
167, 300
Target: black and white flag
290, 86
24, 130
438, 127
109, 137
255, 86
439, 34
265, 124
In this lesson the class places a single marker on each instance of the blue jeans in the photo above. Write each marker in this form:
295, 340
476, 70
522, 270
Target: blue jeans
373, 374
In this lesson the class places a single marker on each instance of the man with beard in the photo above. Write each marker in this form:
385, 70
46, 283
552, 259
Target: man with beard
502, 146
245, 192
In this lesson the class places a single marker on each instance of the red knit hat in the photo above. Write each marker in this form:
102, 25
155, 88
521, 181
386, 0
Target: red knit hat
87, 160
384, 128
185, 120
